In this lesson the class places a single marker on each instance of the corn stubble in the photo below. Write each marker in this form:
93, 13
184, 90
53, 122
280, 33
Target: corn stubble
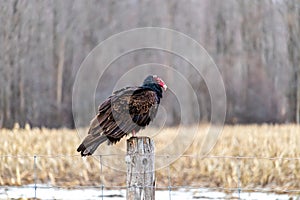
58, 163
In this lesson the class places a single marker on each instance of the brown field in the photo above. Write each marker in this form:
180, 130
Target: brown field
272, 158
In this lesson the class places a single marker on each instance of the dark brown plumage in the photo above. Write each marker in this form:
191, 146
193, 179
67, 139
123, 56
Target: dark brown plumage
126, 111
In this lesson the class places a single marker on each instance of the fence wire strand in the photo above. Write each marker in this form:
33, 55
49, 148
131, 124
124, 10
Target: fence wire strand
169, 187
101, 179
169, 182
162, 155
35, 175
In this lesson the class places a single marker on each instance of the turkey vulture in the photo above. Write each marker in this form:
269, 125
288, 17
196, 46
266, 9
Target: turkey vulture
126, 111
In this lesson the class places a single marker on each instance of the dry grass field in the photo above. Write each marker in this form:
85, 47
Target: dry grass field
272, 158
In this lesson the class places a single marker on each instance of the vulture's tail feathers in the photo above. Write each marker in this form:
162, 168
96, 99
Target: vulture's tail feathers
90, 144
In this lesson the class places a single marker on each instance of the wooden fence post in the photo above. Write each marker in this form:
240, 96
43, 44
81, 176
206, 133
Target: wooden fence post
140, 169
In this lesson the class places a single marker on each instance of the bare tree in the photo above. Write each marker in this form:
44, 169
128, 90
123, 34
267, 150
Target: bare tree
255, 45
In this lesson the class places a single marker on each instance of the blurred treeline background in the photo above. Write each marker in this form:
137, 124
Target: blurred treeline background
255, 44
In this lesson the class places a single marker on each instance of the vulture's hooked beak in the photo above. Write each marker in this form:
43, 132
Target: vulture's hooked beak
165, 87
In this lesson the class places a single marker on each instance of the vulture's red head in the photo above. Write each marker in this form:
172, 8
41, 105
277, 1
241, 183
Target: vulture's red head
160, 82
154, 79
